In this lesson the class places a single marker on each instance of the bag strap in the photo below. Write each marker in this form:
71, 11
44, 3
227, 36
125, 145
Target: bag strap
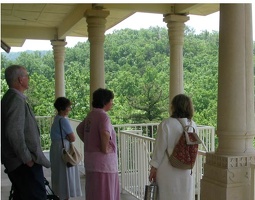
185, 132
187, 126
61, 133
168, 155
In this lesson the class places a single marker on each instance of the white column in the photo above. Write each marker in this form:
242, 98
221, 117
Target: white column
175, 24
59, 58
235, 126
227, 172
96, 20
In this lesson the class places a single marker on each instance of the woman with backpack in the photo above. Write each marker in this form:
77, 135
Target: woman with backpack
173, 183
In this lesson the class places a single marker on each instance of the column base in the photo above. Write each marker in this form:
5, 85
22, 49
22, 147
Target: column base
226, 177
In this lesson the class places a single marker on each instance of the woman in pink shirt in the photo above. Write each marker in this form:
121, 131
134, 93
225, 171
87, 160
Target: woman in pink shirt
100, 149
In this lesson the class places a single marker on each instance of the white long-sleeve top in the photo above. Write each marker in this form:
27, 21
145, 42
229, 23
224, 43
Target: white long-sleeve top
173, 183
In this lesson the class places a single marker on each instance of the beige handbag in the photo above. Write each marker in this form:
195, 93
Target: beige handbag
71, 157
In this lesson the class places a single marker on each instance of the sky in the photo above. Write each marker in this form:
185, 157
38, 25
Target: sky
138, 21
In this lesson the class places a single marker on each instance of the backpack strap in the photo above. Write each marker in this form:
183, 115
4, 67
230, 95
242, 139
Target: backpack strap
187, 132
186, 127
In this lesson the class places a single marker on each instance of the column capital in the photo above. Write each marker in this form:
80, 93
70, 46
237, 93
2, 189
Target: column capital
175, 18
58, 47
96, 13
175, 24
96, 20
58, 42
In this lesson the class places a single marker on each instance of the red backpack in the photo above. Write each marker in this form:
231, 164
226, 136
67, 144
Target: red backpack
185, 151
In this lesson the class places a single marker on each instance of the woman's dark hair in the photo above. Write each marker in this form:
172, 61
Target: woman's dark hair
101, 97
62, 103
182, 107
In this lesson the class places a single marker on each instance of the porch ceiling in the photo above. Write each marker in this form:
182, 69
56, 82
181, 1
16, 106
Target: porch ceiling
56, 21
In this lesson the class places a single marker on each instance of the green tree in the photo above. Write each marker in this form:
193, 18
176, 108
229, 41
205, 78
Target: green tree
41, 95
77, 89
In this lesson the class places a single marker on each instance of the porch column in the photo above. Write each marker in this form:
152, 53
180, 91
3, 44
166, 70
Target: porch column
227, 171
96, 20
175, 24
59, 58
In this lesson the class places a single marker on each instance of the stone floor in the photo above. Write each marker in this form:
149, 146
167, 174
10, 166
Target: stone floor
6, 186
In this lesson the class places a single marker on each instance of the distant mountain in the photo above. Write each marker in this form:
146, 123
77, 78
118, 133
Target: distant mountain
14, 55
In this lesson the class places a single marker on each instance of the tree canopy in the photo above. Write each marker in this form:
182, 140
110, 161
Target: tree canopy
137, 67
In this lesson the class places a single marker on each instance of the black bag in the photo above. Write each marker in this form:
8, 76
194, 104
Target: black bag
49, 192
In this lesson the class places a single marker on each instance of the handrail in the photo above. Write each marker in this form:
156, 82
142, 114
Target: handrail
136, 125
136, 133
202, 153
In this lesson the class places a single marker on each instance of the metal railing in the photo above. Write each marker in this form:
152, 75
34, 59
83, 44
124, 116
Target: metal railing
136, 151
135, 156
135, 146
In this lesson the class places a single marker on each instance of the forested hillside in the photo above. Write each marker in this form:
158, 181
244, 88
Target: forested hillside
137, 70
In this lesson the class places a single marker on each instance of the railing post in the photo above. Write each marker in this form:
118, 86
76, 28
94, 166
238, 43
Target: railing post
212, 139
122, 157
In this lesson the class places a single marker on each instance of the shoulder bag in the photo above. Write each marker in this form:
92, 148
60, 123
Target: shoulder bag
71, 157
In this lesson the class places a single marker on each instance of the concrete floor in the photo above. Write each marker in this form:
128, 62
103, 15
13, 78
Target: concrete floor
6, 186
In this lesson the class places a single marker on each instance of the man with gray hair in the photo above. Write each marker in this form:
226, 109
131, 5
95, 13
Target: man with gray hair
21, 150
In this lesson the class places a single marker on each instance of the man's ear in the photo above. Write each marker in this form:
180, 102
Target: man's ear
20, 79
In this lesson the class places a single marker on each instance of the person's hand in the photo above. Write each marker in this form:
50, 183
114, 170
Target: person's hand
70, 137
30, 163
153, 174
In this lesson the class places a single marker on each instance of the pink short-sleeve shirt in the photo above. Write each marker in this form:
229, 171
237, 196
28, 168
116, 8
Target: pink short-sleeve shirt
98, 120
